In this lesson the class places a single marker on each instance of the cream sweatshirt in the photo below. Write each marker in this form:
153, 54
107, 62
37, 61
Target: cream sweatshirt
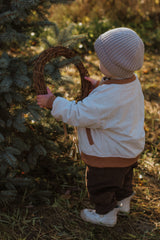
110, 123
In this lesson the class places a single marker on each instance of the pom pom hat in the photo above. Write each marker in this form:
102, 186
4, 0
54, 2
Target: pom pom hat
121, 51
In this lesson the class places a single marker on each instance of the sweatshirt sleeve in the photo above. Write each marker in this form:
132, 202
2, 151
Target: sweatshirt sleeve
85, 113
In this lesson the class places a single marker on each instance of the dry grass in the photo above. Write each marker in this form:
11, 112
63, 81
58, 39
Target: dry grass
62, 220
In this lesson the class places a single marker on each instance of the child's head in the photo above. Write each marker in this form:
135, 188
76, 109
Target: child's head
120, 51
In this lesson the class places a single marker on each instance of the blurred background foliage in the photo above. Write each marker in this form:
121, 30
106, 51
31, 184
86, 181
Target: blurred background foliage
94, 17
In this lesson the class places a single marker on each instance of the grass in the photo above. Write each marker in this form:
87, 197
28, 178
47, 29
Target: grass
61, 220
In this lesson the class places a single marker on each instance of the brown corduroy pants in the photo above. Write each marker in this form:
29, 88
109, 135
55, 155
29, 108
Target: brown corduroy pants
106, 186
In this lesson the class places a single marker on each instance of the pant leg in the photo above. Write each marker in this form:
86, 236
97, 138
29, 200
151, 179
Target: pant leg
99, 190
126, 189
103, 184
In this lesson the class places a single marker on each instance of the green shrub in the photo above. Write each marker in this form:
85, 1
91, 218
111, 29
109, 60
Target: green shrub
148, 30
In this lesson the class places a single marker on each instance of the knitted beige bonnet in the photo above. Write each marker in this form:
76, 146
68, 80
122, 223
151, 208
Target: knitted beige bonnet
121, 51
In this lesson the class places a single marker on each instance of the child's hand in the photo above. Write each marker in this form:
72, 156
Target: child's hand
92, 81
44, 100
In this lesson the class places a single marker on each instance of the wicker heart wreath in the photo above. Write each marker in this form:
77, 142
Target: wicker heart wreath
48, 55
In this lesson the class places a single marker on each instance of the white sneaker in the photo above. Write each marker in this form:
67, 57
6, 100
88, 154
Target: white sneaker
124, 205
109, 219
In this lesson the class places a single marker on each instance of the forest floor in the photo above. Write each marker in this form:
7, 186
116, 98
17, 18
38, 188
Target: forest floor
61, 220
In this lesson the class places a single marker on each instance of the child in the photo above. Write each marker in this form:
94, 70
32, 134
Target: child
110, 124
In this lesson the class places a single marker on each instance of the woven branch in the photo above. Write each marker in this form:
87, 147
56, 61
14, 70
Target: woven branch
46, 56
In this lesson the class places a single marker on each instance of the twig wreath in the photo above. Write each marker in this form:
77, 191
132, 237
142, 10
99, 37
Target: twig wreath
48, 55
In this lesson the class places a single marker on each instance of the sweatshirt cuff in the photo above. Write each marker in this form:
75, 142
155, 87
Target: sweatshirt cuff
50, 102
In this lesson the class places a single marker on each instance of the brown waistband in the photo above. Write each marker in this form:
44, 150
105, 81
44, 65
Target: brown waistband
101, 162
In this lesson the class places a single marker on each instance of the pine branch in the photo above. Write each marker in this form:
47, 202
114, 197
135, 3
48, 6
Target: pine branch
11, 36
4, 61
24, 4
1, 138
10, 159
55, 29
46, 42
8, 98
5, 84
8, 16
19, 122
20, 144
2, 123
13, 150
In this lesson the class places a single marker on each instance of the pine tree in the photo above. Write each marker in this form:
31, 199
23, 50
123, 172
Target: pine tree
21, 139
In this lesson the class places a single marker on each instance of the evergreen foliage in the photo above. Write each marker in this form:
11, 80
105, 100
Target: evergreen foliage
24, 139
